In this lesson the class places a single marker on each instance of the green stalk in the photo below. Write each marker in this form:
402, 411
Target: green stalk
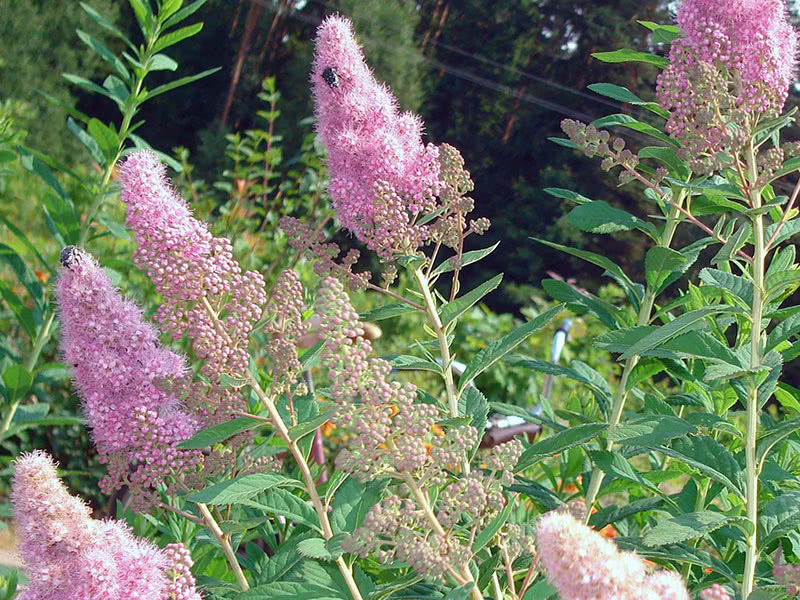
444, 349
759, 260
38, 346
130, 111
643, 318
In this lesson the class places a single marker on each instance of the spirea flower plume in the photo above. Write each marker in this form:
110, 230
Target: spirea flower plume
381, 172
116, 360
737, 58
70, 556
194, 271
583, 565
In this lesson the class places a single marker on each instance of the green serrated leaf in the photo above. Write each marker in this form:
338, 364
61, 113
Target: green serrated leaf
498, 349
242, 488
315, 548
467, 258
650, 430
612, 514
770, 437
387, 311
627, 121
711, 458
741, 288
452, 310
685, 322
404, 362
659, 264
778, 517
162, 89
689, 526
568, 438
601, 217
303, 429
219, 433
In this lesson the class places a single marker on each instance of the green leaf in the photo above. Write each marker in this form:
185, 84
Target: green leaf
741, 288
612, 514
467, 258
680, 554
498, 349
302, 429
650, 430
660, 263
614, 464
87, 141
568, 438
281, 590
711, 458
277, 501
772, 436
177, 83
690, 320
623, 94
24, 274
24, 315
700, 344
168, 8
236, 490
144, 15
352, 501
588, 377
778, 517
452, 310
184, 13
612, 269
90, 86
460, 593
172, 38
668, 157
315, 548
101, 50
627, 55
219, 433
600, 217
387, 311
473, 404
404, 362
684, 527
17, 380
485, 536
662, 34
629, 122
100, 20
567, 194
583, 302
106, 138
787, 230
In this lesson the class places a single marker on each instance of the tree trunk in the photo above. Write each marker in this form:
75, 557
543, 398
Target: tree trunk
250, 25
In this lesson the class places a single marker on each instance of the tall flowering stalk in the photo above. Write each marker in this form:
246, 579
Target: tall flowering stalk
116, 362
382, 175
731, 72
206, 295
70, 556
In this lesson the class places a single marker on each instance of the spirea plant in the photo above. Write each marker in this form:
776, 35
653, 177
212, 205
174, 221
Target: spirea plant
676, 479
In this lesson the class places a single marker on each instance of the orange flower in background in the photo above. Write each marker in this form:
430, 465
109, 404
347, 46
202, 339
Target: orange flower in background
327, 428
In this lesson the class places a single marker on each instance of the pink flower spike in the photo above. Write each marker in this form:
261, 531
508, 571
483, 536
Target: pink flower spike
191, 269
116, 359
70, 556
583, 565
369, 143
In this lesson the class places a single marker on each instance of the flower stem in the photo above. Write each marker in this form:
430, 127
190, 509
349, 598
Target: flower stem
230, 555
751, 466
444, 349
643, 318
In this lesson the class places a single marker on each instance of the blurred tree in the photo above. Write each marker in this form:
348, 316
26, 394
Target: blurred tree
39, 44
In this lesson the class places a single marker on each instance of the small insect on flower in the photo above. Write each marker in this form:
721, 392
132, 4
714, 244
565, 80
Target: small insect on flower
331, 77
68, 256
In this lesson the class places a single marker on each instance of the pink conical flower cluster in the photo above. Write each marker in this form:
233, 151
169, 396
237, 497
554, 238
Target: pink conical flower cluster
194, 271
70, 556
382, 175
737, 57
583, 565
116, 360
